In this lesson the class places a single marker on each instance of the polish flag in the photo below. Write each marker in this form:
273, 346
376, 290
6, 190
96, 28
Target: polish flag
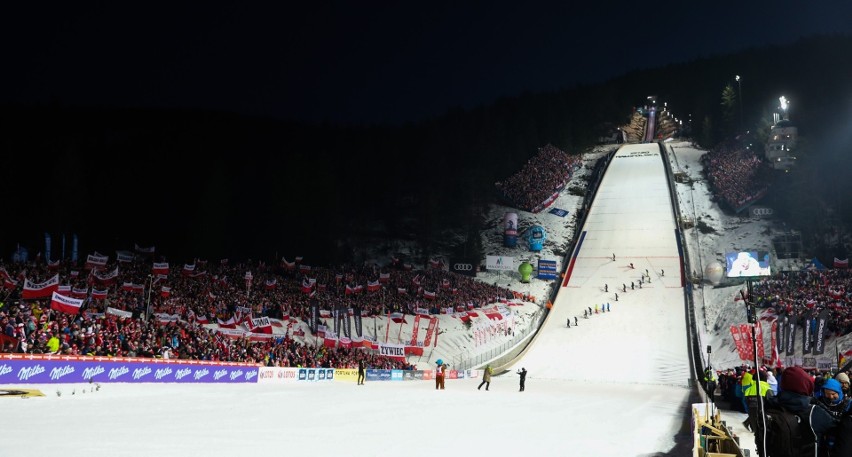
65, 304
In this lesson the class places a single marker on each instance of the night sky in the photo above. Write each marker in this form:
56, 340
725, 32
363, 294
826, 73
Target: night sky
350, 63
374, 62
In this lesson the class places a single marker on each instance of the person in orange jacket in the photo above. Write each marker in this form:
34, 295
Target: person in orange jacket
439, 376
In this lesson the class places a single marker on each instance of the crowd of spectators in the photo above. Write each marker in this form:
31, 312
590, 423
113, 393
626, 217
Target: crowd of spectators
205, 292
805, 294
543, 175
737, 176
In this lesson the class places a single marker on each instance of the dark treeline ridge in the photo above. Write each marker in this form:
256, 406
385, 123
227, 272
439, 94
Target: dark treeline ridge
201, 183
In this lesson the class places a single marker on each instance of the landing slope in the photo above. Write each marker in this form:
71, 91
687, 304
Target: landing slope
643, 338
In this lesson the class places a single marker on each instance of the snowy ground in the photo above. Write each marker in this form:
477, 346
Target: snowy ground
615, 385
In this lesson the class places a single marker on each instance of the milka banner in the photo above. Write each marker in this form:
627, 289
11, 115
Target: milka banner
15, 369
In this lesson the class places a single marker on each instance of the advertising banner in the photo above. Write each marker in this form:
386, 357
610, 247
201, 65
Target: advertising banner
72, 369
547, 269
499, 263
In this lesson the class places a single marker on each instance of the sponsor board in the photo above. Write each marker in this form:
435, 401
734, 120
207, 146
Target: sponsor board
500, 263
463, 267
547, 269
277, 375
760, 211
59, 371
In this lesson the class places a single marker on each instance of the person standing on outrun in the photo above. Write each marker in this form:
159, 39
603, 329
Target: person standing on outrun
523, 374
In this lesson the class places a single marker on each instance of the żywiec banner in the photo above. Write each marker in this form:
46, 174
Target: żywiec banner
396, 351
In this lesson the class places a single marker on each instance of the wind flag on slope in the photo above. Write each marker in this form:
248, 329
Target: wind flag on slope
65, 304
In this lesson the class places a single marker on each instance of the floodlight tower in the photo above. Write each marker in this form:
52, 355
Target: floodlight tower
740, 90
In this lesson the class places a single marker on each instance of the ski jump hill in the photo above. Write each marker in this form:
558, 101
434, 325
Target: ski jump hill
644, 337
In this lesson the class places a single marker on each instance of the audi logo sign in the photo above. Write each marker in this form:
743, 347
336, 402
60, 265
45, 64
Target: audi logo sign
761, 211
463, 267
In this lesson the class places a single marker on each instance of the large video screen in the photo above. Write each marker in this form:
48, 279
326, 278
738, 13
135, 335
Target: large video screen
745, 264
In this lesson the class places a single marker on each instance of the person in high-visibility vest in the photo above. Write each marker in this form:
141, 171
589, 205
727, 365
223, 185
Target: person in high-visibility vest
758, 386
710, 381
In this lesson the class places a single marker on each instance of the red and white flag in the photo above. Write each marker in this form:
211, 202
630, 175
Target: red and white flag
80, 292
261, 325
165, 292
428, 295
124, 256
65, 304
96, 261
99, 294
40, 290
149, 250
106, 279
841, 263
161, 268
373, 286
230, 323
9, 283
188, 269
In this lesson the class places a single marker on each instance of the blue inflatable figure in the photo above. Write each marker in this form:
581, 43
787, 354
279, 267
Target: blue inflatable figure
536, 237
